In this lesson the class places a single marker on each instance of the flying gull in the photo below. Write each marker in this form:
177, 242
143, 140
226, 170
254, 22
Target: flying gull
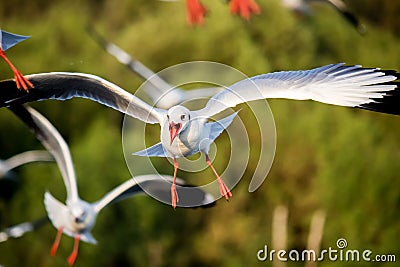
185, 132
77, 217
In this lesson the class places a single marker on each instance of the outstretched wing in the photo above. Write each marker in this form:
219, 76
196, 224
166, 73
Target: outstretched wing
19, 230
52, 140
336, 84
66, 85
160, 185
156, 150
217, 127
27, 157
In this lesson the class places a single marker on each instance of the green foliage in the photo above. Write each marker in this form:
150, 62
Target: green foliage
331, 158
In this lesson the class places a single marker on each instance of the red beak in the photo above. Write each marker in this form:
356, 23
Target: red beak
174, 130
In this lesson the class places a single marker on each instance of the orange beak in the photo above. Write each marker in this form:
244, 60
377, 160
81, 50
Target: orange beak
174, 130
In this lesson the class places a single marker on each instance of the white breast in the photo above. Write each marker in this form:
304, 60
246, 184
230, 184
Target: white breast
187, 142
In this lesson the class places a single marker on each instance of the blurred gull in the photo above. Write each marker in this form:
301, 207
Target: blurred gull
8, 40
303, 7
161, 93
78, 217
185, 132
19, 230
23, 158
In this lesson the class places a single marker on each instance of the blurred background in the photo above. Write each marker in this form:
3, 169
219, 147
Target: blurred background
341, 161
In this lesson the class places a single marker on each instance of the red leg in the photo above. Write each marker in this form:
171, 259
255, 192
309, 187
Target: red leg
222, 186
195, 12
20, 80
174, 194
74, 254
56, 243
244, 8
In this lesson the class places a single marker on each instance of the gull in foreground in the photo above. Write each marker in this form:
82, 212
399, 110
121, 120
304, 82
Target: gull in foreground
161, 93
8, 40
23, 158
19, 230
77, 217
185, 132
303, 7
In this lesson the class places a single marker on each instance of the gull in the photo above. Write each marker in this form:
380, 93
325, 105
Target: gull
185, 132
303, 7
23, 158
77, 217
8, 40
19, 230
163, 94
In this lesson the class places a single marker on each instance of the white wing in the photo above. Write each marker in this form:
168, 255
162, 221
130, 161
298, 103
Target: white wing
336, 84
27, 157
129, 188
56, 211
156, 150
22, 228
158, 184
161, 92
66, 85
114, 195
52, 140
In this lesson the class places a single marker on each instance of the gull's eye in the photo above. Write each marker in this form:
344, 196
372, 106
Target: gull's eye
168, 117
183, 117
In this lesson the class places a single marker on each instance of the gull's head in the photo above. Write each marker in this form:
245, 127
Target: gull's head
78, 213
178, 117
82, 216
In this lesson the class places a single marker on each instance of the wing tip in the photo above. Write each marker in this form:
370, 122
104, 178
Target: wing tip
209, 201
88, 237
390, 101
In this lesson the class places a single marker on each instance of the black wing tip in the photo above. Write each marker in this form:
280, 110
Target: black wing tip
40, 222
96, 36
208, 200
202, 206
353, 20
11, 95
394, 73
390, 102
